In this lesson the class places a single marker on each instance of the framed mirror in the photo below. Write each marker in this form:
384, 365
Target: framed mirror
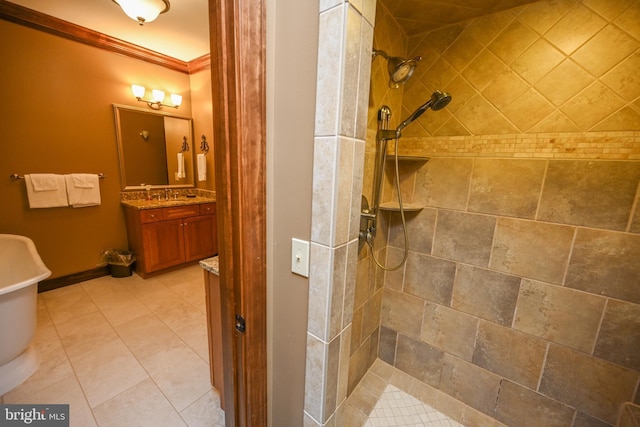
154, 148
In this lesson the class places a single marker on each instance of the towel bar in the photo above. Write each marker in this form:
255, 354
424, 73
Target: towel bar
15, 176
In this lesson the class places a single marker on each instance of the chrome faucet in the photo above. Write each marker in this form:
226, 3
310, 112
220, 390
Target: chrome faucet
167, 193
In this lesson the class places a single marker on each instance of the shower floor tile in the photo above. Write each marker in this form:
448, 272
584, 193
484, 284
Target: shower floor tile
397, 408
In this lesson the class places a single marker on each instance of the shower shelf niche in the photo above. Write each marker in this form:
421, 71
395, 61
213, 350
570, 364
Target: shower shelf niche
392, 158
416, 162
394, 206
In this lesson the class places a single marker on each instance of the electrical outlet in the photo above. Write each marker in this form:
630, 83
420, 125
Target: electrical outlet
300, 257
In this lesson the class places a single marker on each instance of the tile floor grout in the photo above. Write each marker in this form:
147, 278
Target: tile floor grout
140, 322
157, 372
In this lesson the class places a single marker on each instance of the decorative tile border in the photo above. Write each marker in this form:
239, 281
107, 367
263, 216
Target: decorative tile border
624, 145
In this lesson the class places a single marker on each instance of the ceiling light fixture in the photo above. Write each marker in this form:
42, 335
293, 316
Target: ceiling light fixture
143, 11
157, 97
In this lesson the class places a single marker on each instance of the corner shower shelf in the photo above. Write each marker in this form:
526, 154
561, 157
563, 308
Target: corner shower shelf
394, 206
391, 157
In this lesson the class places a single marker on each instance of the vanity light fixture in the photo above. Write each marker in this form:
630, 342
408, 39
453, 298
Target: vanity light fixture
143, 11
156, 98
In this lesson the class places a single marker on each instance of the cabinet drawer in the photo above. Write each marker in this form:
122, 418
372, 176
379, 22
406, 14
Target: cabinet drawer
207, 209
150, 215
180, 212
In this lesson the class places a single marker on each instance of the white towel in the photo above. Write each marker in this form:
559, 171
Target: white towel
86, 193
202, 167
84, 180
44, 181
48, 198
181, 173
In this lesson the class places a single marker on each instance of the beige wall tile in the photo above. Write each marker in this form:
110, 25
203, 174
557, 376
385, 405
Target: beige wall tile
540, 58
420, 228
506, 187
623, 78
563, 82
594, 387
542, 15
575, 28
513, 41
557, 314
371, 314
469, 383
402, 312
584, 420
596, 194
330, 74
528, 109
464, 237
619, 336
393, 279
462, 51
483, 69
429, 278
331, 378
444, 182
606, 263
605, 50
630, 21
635, 223
449, 330
419, 360
524, 407
501, 92
531, 249
592, 105
486, 294
388, 341
475, 114
358, 365
510, 354
610, 10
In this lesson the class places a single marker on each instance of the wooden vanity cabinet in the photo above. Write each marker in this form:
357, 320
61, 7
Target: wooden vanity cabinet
167, 237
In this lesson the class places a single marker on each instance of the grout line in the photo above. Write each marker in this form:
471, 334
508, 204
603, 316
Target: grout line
542, 184
598, 329
544, 363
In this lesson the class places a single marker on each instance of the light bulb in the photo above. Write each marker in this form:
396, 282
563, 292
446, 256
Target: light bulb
176, 99
158, 95
138, 91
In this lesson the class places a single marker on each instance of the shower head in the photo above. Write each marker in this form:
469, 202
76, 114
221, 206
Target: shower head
400, 69
438, 101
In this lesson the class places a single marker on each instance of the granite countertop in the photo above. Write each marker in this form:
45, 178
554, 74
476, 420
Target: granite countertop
153, 204
211, 265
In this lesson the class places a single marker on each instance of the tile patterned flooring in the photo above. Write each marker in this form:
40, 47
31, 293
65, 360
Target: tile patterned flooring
133, 352
397, 408
125, 352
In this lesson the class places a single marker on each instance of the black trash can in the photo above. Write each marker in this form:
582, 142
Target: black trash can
120, 262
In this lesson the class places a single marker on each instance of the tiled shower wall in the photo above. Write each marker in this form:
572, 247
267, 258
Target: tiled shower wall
550, 66
344, 55
521, 294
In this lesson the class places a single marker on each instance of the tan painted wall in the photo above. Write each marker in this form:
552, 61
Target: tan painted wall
292, 27
57, 117
203, 122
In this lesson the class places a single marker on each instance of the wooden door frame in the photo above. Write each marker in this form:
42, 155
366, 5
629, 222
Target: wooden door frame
238, 64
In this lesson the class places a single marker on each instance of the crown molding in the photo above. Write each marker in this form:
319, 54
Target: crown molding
39, 21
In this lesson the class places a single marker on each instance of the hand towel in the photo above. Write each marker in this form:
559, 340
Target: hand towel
83, 180
47, 199
44, 181
202, 167
181, 173
86, 193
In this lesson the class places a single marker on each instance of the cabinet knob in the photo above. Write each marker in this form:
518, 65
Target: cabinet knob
152, 215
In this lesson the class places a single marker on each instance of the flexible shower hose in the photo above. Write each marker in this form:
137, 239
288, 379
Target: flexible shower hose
404, 224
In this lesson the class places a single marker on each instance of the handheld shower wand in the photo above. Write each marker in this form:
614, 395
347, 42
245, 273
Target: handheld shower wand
369, 214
